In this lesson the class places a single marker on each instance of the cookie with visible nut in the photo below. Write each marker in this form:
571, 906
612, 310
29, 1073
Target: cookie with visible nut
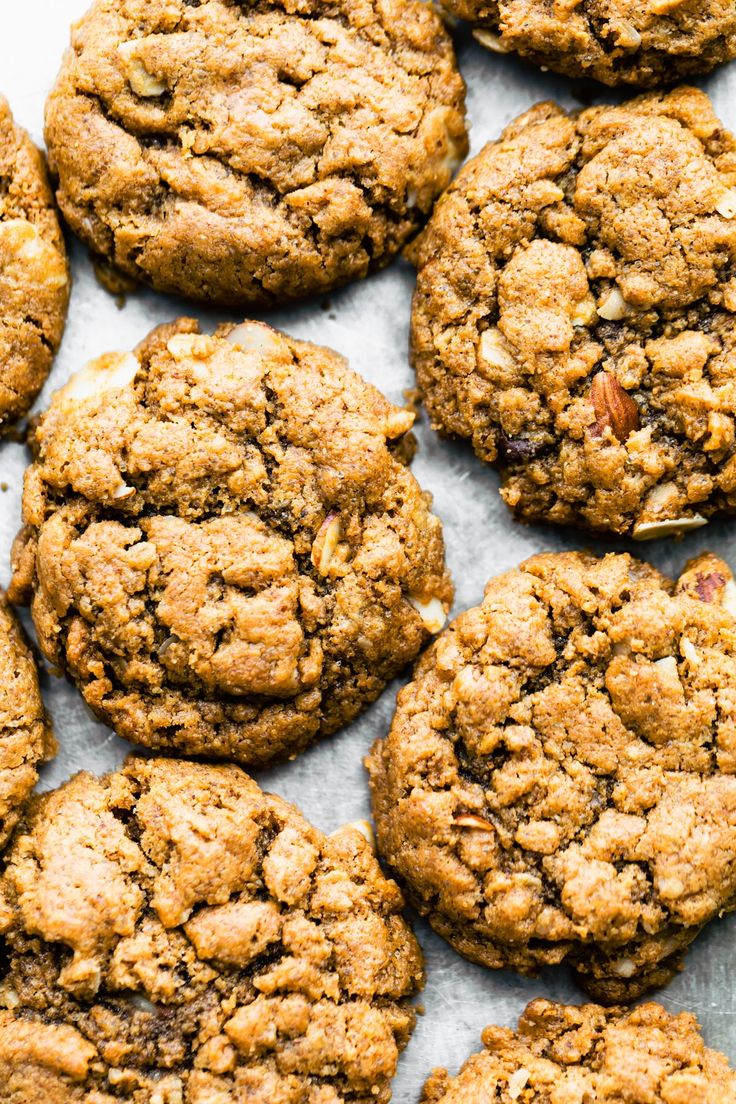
567, 1053
34, 276
575, 314
254, 153
614, 41
222, 545
26, 738
172, 933
559, 780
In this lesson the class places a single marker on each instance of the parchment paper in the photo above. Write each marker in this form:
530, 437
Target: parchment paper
368, 322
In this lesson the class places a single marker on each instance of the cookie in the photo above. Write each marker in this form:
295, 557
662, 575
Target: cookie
614, 41
225, 549
34, 278
26, 738
253, 153
174, 934
603, 1056
559, 781
574, 314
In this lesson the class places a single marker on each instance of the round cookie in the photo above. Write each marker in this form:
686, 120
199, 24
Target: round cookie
574, 314
34, 278
559, 781
602, 1056
176, 936
614, 41
253, 153
26, 738
225, 549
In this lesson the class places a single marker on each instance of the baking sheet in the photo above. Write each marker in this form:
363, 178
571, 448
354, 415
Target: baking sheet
367, 322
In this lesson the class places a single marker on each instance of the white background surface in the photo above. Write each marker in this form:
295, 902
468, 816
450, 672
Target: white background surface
369, 323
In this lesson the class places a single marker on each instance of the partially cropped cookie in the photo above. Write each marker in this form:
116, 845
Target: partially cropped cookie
574, 315
224, 547
614, 41
34, 279
173, 934
600, 1056
25, 731
559, 781
245, 153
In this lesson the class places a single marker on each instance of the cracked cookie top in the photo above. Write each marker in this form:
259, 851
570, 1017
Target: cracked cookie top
559, 781
563, 1053
25, 731
246, 152
574, 314
644, 42
34, 278
176, 936
224, 548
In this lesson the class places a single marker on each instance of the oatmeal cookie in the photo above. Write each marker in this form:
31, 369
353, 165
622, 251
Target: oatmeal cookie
34, 278
176, 936
256, 151
574, 314
603, 1056
223, 547
614, 41
559, 781
25, 731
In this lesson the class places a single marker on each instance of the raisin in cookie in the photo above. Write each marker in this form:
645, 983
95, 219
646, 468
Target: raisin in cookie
224, 549
565, 1054
254, 152
174, 934
559, 781
574, 314
25, 732
615, 41
34, 279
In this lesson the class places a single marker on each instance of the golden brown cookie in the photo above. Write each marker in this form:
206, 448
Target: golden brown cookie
174, 934
559, 781
645, 42
26, 738
34, 278
563, 1054
574, 315
246, 153
224, 548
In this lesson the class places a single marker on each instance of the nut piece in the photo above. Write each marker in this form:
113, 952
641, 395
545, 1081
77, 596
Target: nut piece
431, 612
326, 542
111, 372
726, 205
140, 80
728, 598
495, 350
650, 530
708, 579
398, 422
627, 36
472, 820
613, 307
690, 652
22, 241
585, 313
613, 407
491, 41
255, 337
517, 1082
364, 827
668, 671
